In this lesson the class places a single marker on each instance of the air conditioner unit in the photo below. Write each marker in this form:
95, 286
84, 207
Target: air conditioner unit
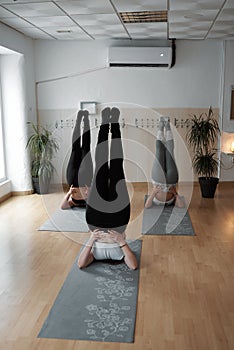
140, 56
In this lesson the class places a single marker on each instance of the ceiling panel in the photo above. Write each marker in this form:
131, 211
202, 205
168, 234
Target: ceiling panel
193, 5
86, 6
66, 33
100, 19
140, 30
193, 30
51, 21
34, 9
3, 2
36, 33
222, 30
97, 19
182, 16
5, 13
140, 5
18, 23
101, 25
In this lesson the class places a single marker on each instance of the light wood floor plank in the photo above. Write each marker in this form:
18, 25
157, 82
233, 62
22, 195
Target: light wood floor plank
186, 284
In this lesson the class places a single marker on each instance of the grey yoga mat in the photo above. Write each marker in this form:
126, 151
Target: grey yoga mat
97, 303
166, 220
69, 220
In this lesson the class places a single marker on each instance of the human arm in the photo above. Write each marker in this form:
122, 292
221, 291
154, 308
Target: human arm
67, 202
86, 256
129, 256
179, 201
149, 200
74, 193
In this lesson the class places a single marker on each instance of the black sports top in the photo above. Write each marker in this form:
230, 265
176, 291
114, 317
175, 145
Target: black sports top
79, 202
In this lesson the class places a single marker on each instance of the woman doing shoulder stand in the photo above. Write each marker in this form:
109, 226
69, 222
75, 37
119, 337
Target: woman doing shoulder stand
164, 170
108, 205
80, 166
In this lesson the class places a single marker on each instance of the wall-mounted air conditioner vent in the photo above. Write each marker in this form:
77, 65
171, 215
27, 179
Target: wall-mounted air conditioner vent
140, 56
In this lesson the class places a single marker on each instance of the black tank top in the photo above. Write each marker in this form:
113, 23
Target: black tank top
79, 202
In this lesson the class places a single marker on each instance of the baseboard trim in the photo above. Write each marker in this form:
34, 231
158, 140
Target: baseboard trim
22, 193
5, 197
15, 193
135, 184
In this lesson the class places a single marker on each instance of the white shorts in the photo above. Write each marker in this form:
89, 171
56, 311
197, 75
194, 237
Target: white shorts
103, 251
158, 202
164, 187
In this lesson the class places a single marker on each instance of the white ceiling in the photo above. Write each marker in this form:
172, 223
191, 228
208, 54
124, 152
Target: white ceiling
99, 19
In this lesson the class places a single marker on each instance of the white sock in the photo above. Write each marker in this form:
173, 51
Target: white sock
160, 135
168, 135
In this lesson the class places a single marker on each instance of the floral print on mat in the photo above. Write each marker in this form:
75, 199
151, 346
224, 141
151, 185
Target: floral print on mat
112, 315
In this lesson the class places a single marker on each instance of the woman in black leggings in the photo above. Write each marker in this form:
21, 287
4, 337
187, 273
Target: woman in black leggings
80, 166
108, 205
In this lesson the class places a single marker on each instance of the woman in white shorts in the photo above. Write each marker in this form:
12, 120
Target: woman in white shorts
108, 204
164, 170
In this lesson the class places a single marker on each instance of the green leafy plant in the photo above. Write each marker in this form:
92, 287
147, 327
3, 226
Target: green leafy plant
43, 146
202, 136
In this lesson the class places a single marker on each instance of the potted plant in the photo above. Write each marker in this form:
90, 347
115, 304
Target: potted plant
42, 146
202, 136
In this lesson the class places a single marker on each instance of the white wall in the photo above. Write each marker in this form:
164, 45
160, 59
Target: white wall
70, 72
19, 43
77, 71
18, 104
193, 82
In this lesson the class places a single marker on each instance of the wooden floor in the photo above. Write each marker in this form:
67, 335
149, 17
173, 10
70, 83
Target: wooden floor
186, 290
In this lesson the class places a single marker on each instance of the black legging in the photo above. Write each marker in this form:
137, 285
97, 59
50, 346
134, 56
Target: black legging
108, 205
80, 165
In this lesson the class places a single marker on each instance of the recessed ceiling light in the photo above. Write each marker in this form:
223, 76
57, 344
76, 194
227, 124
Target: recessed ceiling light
144, 16
64, 31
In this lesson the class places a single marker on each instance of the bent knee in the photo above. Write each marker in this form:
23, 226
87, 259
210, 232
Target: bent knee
81, 266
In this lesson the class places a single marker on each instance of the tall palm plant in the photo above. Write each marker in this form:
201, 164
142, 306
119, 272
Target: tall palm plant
202, 137
42, 146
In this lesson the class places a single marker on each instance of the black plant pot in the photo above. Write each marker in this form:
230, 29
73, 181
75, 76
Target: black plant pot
36, 186
208, 186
